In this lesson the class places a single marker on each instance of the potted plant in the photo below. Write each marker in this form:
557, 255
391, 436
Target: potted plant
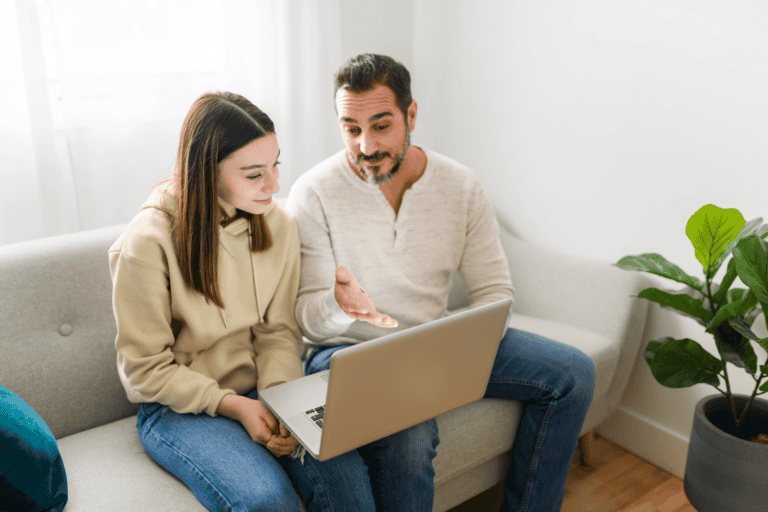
727, 465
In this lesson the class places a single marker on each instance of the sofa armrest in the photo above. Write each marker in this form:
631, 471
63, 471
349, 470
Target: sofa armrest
586, 293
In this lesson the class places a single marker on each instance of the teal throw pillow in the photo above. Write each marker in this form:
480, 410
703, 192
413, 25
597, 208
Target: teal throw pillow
32, 476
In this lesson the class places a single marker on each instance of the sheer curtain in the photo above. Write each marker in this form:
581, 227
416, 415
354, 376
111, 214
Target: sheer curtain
93, 95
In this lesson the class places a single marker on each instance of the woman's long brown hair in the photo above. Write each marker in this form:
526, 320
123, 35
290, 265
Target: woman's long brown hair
217, 125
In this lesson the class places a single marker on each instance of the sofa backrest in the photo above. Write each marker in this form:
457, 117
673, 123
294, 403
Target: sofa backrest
57, 341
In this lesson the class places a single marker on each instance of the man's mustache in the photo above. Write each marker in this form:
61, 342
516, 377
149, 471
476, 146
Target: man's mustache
368, 158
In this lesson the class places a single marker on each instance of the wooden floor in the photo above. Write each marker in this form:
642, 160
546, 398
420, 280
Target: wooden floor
621, 482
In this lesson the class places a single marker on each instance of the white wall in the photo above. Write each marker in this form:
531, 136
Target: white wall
599, 128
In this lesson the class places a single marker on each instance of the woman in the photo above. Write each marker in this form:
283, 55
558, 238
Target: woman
205, 280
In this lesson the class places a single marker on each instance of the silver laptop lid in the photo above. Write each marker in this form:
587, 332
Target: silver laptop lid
385, 385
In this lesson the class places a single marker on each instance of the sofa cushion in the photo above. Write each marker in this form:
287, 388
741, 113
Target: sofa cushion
32, 475
602, 350
108, 464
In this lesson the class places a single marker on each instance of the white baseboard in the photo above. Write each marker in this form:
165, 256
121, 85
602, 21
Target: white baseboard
648, 439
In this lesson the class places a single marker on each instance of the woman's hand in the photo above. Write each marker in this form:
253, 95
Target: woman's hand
260, 424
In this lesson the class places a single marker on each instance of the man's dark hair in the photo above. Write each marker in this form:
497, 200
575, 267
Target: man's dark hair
366, 71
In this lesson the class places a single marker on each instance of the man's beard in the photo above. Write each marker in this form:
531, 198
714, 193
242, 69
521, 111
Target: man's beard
383, 178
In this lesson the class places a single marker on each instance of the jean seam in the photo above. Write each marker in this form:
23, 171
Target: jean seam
536, 455
552, 390
189, 462
321, 498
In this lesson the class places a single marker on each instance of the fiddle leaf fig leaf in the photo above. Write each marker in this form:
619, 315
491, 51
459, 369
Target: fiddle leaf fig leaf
730, 276
711, 231
658, 265
679, 302
751, 264
737, 294
750, 228
743, 325
682, 363
739, 307
735, 348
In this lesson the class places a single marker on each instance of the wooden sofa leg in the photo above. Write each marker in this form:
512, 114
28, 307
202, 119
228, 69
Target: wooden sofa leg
587, 442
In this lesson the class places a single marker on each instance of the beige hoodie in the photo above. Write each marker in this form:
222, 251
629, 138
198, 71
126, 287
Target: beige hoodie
175, 348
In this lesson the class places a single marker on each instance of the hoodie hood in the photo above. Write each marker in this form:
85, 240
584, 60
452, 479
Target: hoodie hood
234, 234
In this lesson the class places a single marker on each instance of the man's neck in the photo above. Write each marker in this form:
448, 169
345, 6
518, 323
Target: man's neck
411, 170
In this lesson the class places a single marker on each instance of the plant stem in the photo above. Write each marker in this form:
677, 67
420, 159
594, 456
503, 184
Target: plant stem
749, 402
729, 394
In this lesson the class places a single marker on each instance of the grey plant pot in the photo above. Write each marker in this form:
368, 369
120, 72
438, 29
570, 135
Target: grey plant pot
724, 473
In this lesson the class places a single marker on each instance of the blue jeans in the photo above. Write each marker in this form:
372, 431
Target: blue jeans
216, 458
556, 383
392, 474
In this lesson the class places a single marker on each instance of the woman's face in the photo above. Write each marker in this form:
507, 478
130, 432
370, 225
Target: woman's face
248, 177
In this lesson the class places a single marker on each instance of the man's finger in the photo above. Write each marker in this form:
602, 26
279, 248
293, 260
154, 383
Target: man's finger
343, 275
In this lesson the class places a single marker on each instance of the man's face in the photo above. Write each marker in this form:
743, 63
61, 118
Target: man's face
374, 130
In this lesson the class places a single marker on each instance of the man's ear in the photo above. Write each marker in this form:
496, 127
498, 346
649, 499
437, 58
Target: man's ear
413, 110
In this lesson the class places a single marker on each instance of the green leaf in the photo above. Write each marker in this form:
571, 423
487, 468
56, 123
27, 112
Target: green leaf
730, 276
682, 363
739, 307
743, 325
736, 294
751, 264
658, 265
763, 343
711, 230
735, 348
750, 228
680, 302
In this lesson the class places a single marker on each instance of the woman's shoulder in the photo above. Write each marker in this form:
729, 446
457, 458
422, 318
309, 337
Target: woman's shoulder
148, 237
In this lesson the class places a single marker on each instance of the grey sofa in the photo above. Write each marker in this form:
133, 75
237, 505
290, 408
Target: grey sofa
57, 353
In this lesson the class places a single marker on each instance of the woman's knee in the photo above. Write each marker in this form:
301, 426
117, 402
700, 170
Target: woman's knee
278, 496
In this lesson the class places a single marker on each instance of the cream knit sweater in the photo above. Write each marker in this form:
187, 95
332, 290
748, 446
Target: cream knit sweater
403, 262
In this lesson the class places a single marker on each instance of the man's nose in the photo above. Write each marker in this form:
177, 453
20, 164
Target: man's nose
368, 144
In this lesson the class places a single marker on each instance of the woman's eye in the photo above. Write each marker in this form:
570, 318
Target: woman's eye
255, 176
381, 128
278, 163
352, 130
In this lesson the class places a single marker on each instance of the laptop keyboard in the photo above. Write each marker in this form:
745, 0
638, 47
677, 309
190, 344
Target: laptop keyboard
317, 415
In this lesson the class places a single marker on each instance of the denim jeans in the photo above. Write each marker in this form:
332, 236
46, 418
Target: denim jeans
556, 383
216, 458
392, 474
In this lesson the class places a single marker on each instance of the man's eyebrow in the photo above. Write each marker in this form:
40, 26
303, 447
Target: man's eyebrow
371, 119
257, 166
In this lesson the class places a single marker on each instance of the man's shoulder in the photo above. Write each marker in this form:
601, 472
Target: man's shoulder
323, 172
451, 172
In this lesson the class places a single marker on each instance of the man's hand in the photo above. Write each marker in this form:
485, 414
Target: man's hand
260, 424
355, 303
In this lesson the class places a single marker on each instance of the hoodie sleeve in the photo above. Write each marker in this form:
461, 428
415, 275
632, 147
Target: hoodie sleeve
277, 340
141, 301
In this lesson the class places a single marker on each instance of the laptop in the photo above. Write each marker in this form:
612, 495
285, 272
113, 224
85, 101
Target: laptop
382, 386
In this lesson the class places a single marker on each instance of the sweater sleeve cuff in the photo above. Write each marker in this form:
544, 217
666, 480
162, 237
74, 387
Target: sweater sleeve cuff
333, 311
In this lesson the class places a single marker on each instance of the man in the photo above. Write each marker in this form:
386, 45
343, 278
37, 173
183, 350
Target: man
384, 222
